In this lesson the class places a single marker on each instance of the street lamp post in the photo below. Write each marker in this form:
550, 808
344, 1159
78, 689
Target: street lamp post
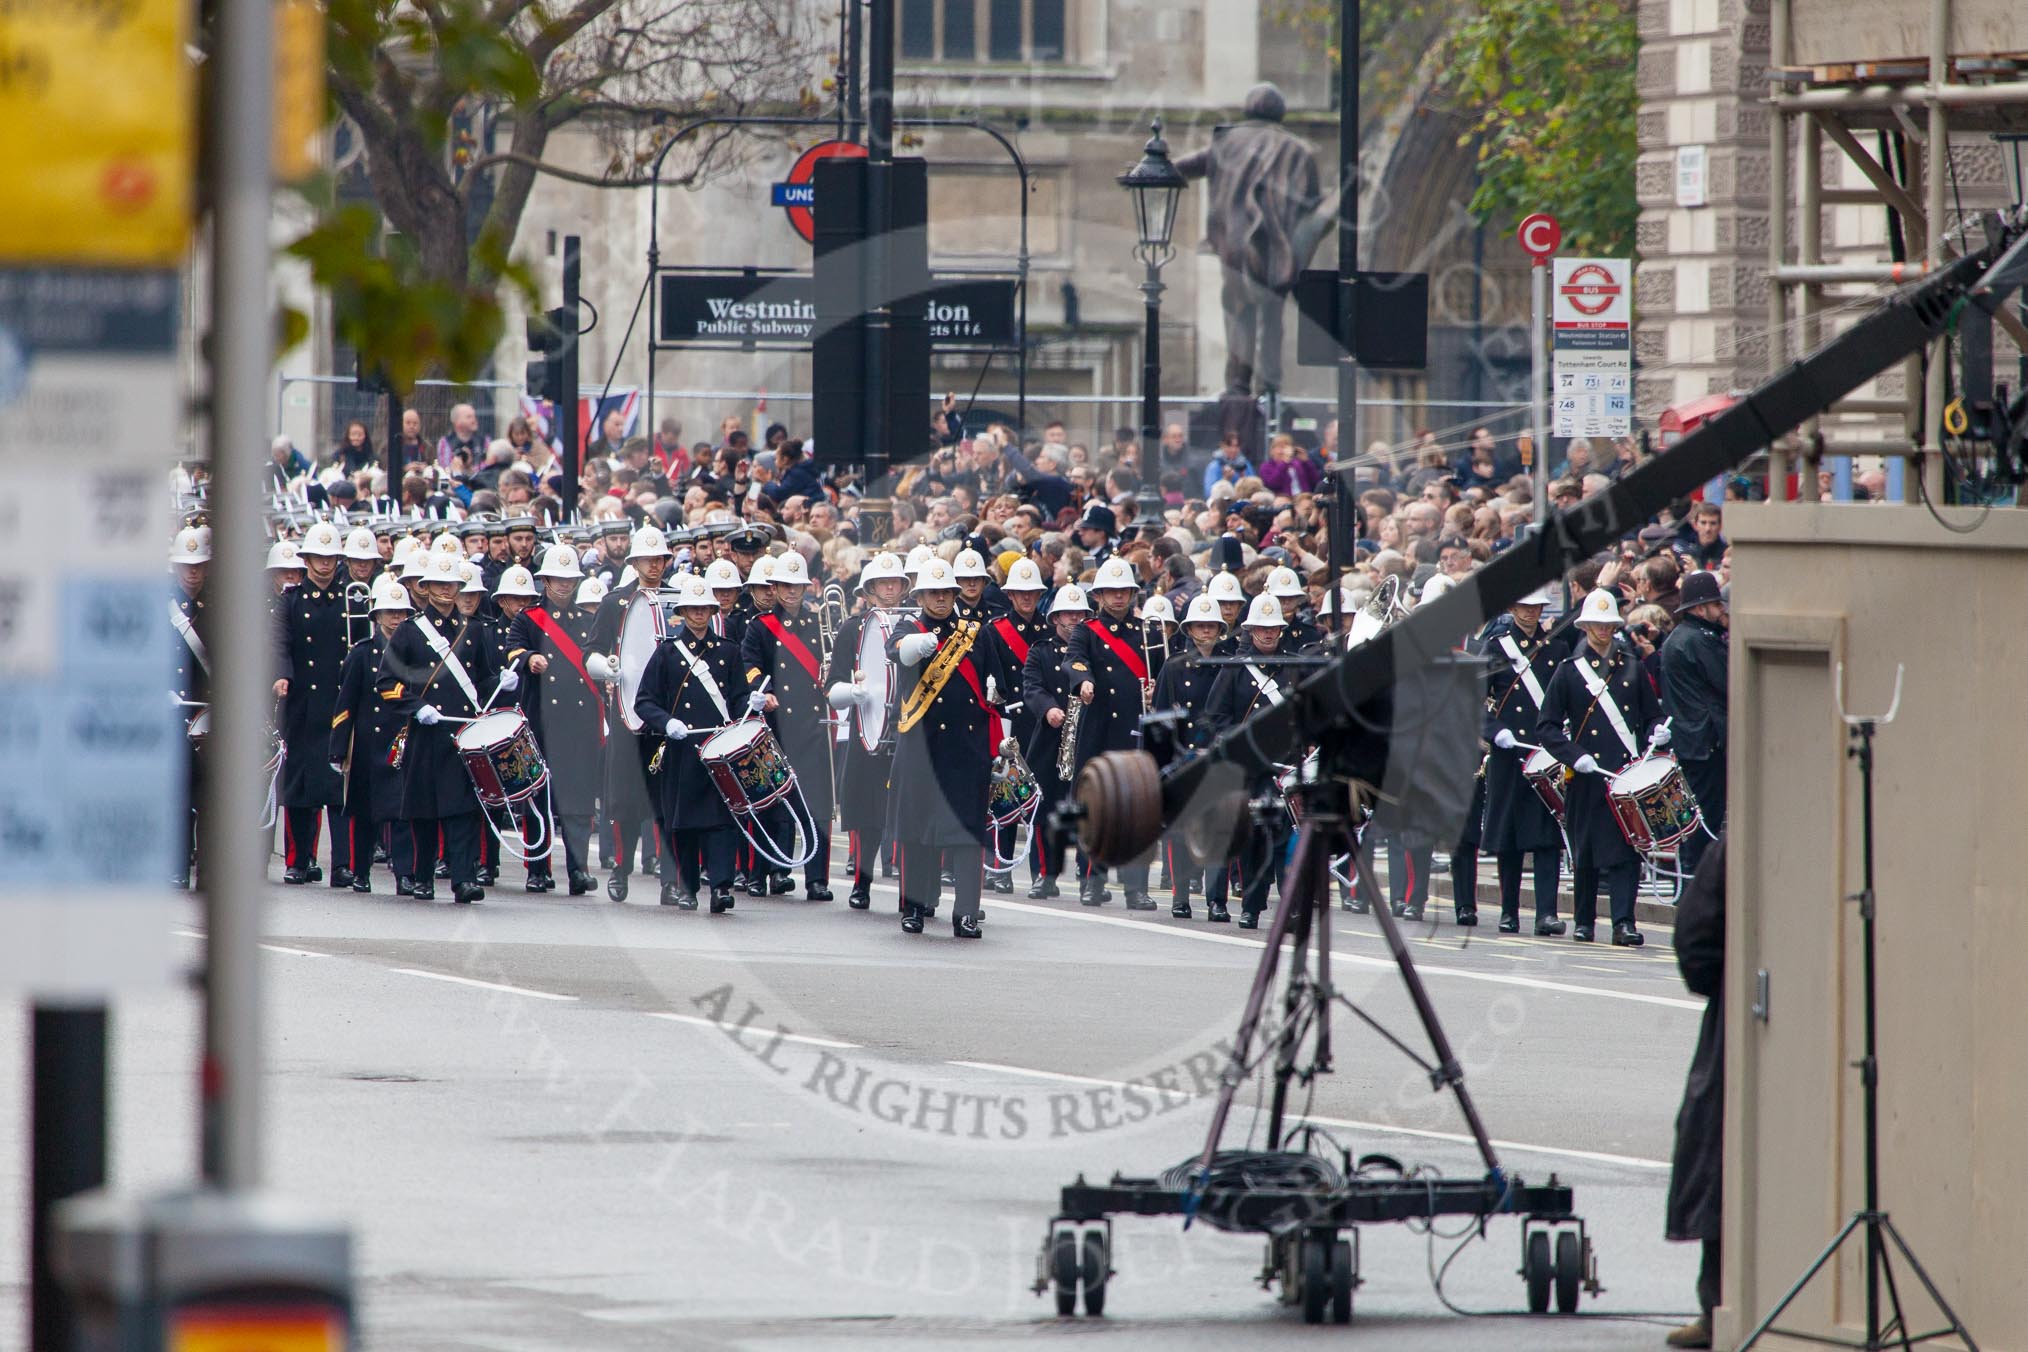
1155, 184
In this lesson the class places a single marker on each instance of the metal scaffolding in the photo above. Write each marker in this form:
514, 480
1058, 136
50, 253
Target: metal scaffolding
1919, 102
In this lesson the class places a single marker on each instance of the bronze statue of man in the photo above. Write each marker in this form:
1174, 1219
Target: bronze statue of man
1264, 220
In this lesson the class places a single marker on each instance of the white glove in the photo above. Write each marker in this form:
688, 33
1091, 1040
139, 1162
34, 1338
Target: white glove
915, 649
337, 767
428, 715
510, 680
676, 729
1661, 735
1587, 766
757, 701
600, 667
844, 695
1504, 739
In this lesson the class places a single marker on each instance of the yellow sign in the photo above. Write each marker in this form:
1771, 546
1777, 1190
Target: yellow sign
97, 129
257, 1329
299, 90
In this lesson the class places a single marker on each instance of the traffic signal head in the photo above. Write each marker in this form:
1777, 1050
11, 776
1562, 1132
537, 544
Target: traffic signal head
550, 335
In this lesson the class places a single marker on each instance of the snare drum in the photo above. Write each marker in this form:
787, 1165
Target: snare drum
1652, 802
747, 766
1547, 776
500, 755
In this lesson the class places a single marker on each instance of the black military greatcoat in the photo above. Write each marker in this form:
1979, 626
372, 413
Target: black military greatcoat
1112, 721
313, 652
565, 709
672, 688
1574, 724
942, 765
1516, 819
862, 774
363, 729
434, 780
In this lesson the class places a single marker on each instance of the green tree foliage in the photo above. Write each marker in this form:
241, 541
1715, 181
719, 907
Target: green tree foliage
1548, 89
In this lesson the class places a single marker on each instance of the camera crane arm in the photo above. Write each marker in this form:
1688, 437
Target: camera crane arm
1116, 827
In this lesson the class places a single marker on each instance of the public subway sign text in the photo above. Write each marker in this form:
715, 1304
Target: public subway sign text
779, 310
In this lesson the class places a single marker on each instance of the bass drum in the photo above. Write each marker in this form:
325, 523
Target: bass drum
877, 677
641, 629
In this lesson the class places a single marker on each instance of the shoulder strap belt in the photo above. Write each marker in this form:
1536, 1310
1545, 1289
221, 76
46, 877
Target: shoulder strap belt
701, 673
1602, 700
183, 626
447, 659
567, 647
1524, 670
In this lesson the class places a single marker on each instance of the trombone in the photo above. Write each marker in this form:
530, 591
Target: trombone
358, 612
831, 613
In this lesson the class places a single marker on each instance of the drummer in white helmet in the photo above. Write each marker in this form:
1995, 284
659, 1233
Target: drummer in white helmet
1048, 695
694, 684
1230, 597
1599, 715
1257, 684
362, 555
969, 567
850, 690
1522, 657
1185, 687
1299, 633
780, 651
437, 669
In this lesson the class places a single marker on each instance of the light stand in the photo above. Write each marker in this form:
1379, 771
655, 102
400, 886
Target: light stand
1875, 1223
1154, 184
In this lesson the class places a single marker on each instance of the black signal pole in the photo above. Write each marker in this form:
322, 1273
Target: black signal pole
567, 407
879, 204
1348, 271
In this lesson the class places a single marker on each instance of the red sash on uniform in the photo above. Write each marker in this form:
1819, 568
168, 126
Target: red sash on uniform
571, 653
993, 727
1121, 650
1005, 627
798, 649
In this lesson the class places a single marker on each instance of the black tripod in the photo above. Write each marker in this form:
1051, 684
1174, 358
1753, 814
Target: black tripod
1873, 1222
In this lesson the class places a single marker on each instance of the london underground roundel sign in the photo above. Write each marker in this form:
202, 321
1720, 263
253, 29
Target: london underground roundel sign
797, 194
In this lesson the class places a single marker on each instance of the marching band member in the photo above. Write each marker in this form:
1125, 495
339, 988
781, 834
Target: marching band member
1523, 658
760, 590
945, 738
434, 669
969, 567
408, 566
615, 544
591, 594
1599, 715
189, 557
1047, 696
1016, 632
631, 798
1159, 618
729, 589
362, 556
1110, 668
1237, 694
313, 652
285, 569
521, 541
693, 684
566, 712
363, 731
781, 648
1226, 590
1299, 636
1185, 684
863, 778
491, 627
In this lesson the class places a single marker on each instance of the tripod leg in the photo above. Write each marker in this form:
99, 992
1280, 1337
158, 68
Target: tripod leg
1943, 1306
1249, 1021
1300, 899
1448, 1071
1896, 1327
1837, 1241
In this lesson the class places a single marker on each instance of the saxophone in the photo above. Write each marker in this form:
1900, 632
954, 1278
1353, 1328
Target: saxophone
1066, 749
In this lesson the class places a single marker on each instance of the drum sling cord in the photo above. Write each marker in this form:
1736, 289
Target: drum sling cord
937, 674
662, 744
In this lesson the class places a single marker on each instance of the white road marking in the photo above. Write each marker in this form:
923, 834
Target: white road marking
293, 952
763, 1033
1459, 1138
1363, 960
188, 934
481, 985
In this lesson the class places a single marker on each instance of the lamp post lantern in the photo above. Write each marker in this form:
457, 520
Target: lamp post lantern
1155, 184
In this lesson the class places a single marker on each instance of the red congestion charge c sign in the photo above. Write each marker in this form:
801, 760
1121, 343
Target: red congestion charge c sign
798, 194
1539, 235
